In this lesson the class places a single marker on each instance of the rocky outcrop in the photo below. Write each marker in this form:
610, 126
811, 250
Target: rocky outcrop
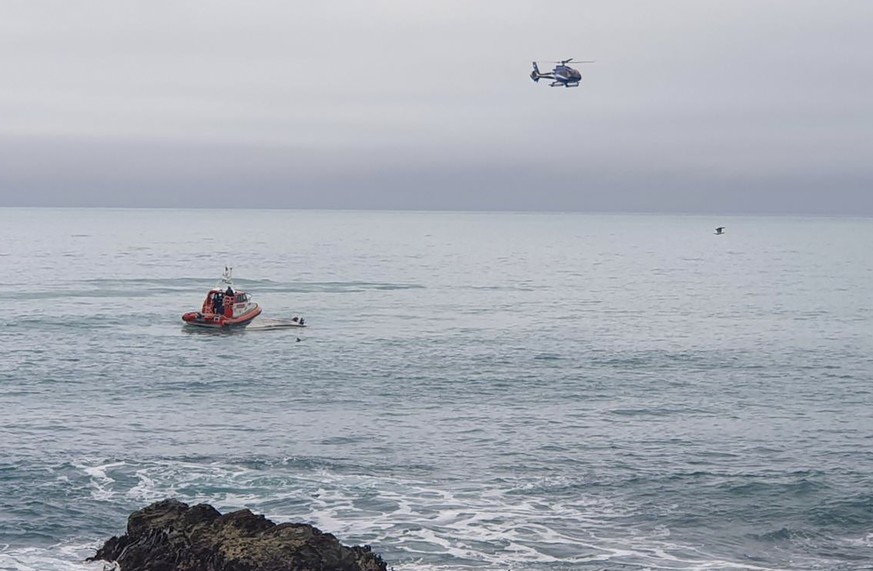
171, 536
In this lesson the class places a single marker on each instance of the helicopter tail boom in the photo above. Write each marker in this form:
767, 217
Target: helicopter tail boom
536, 75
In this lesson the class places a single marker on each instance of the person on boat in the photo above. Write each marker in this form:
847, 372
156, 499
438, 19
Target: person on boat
229, 292
218, 304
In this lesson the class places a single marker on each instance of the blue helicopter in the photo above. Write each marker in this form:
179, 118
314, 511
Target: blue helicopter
563, 74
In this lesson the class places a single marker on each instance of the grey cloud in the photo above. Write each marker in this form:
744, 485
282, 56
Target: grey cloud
730, 106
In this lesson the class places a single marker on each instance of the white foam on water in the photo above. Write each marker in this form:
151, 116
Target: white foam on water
61, 557
101, 483
864, 541
145, 489
518, 525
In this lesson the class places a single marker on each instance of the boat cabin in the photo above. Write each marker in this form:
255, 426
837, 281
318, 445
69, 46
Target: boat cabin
228, 303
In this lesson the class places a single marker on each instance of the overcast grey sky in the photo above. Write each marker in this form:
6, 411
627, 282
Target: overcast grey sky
725, 106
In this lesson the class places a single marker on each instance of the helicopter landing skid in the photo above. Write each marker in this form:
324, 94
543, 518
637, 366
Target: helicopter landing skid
560, 83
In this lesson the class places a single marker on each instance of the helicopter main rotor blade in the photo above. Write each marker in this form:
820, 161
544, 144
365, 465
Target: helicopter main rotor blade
566, 61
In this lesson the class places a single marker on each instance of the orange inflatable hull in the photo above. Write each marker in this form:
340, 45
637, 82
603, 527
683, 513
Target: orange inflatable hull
215, 321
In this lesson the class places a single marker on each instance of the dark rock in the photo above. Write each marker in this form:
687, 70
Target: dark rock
170, 536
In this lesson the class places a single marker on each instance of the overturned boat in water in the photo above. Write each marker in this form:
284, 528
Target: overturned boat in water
224, 307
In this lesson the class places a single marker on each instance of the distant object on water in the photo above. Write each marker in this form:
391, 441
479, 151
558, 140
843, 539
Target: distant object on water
719, 231
563, 74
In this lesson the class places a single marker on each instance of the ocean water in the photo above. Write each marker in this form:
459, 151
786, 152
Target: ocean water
475, 391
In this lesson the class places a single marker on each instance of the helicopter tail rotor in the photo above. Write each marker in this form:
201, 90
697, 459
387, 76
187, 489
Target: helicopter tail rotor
535, 74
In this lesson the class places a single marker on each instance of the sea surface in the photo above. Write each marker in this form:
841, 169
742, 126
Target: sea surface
474, 392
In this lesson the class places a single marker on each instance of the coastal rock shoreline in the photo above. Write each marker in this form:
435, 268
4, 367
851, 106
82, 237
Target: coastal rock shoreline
171, 536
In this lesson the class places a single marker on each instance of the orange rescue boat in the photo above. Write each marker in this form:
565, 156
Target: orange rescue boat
224, 307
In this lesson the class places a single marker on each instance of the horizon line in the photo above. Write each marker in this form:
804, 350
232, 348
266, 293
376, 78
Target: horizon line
453, 211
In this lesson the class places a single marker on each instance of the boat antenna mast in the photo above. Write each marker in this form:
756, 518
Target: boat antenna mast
226, 277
